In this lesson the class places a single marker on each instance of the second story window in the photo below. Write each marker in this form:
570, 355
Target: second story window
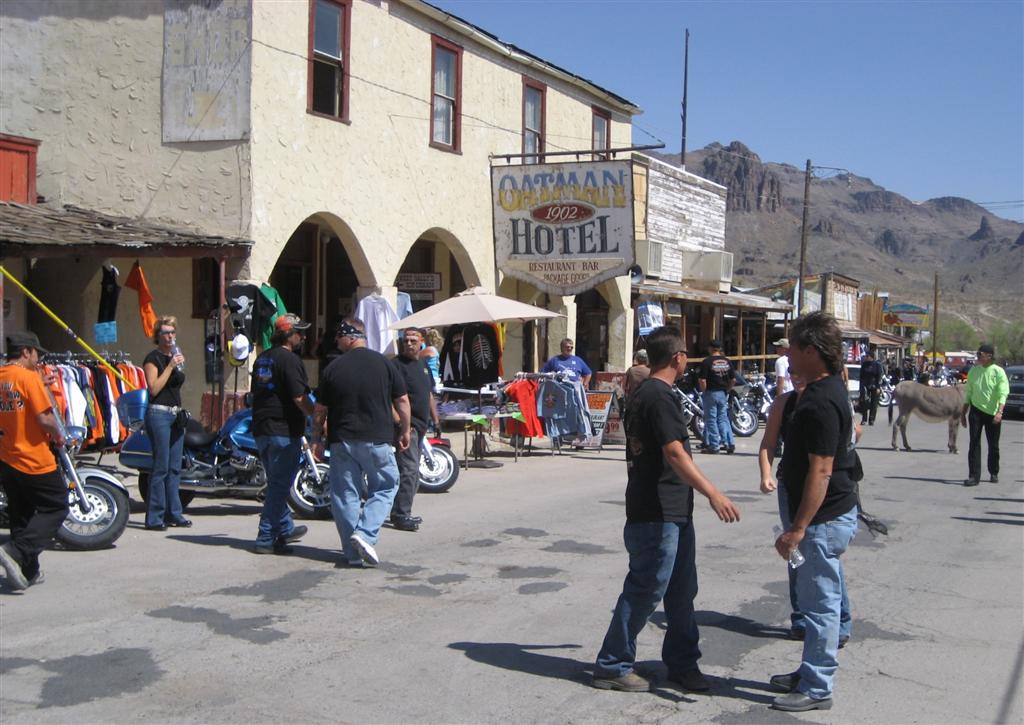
533, 120
446, 95
602, 133
328, 53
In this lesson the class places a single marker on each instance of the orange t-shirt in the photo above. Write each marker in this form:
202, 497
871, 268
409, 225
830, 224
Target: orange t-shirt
24, 445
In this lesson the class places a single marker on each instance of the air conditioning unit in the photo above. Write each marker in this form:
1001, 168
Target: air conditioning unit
648, 256
707, 270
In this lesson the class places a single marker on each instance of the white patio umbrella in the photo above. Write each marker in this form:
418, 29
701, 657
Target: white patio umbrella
476, 304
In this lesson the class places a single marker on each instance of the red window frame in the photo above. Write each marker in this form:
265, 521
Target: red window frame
346, 34
607, 116
529, 83
456, 145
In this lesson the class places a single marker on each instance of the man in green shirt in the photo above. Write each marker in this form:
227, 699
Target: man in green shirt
984, 398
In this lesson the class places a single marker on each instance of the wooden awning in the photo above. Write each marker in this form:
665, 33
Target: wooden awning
43, 231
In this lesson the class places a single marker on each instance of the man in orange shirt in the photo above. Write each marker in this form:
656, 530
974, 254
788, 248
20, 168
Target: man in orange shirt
37, 497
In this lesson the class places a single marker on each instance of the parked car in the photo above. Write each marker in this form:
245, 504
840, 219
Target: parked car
1015, 402
853, 382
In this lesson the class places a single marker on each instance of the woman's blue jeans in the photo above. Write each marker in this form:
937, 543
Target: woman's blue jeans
662, 566
168, 441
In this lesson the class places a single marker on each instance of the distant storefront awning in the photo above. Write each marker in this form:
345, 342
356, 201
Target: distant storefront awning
879, 338
732, 299
852, 332
43, 231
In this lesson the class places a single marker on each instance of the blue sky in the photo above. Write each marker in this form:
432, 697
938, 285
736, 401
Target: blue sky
924, 98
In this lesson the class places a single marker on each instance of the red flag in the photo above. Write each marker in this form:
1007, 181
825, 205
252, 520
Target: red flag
137, 281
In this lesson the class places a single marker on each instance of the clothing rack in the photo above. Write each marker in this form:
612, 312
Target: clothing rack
65, 358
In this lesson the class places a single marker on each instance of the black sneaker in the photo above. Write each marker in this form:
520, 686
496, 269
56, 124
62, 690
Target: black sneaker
692, 680
730, 449
971, 482
994, 478
295, 534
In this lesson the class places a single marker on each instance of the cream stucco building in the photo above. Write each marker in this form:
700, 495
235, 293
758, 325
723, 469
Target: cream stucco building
349, 141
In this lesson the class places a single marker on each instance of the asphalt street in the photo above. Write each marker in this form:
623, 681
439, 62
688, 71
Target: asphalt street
495, 609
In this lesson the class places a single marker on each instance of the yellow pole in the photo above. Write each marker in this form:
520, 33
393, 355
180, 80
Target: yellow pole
67, 329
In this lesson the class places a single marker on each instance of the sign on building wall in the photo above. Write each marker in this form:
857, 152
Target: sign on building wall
905, 315
206, 71
564, 228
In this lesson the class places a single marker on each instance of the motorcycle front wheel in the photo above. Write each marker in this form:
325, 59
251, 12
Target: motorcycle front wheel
439, 475
308, 498
885, 398
743, 421
105, 522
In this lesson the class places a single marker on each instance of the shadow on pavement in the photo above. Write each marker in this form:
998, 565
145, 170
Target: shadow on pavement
1000, 500
730, 623
308, 553
945, 481
524, 658
989, 521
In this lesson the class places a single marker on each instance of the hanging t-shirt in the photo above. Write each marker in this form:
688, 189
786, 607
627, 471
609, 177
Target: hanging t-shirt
109, 292
251, 311
377, 315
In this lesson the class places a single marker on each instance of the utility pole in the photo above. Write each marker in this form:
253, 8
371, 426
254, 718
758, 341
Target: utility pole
803, 242
686, 74
935, 318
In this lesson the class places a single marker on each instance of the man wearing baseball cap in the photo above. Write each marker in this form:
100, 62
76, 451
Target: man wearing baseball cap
984, 397
783, 383
280, 404
37, 497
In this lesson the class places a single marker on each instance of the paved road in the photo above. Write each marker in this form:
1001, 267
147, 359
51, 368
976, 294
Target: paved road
493, 612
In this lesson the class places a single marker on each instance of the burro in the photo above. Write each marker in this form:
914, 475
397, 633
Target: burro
591, 237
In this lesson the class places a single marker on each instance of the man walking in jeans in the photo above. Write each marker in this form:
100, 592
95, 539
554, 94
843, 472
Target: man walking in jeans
984, 397
659, 532
37, 497
822, 501
358, 395
280, 404
717, 376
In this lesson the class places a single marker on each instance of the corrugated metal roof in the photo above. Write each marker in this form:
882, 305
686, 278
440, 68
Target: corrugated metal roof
736, 299
39, 231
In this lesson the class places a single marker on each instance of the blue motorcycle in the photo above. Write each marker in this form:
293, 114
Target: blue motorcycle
222, 463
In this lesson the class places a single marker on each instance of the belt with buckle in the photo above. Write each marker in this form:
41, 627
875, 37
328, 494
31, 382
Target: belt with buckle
166, 408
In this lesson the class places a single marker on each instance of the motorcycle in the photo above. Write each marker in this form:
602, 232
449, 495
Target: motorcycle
885, 391
223, 462
439, 466
98, 505
760, 394
742, 415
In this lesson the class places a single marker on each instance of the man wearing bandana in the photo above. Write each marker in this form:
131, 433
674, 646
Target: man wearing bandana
359, 395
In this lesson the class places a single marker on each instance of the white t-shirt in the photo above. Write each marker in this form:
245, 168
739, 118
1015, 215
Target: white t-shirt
782, 375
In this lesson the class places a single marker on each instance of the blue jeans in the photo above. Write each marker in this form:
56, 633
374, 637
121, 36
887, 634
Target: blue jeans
168, 441
281, 459
350, 461
819, 589
717, 429
662, 566
796, 617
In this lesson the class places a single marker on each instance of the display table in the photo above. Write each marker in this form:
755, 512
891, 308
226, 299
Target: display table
478, 423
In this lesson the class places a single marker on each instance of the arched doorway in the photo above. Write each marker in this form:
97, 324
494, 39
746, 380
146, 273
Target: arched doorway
592, 328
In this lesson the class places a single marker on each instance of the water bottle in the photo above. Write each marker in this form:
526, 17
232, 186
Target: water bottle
795, 558
181, 367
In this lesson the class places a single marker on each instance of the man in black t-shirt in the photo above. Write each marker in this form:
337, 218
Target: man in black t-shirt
870, 388
659, 532
717, 376
420, 386
822, 501
359, 395
280, 404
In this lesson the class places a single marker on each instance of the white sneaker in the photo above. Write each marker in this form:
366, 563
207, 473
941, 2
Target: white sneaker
366, 552
10, 564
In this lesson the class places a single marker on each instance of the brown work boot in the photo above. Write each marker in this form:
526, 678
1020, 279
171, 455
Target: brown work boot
629, 682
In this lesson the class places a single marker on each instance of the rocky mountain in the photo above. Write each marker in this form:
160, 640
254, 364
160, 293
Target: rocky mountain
867, 232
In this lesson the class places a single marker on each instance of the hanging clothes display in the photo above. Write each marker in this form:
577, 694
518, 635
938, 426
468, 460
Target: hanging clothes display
377, 315
524, 394
562, 404
404, 305
271, 296
471, 355
251, 310
109, 292
137, 281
